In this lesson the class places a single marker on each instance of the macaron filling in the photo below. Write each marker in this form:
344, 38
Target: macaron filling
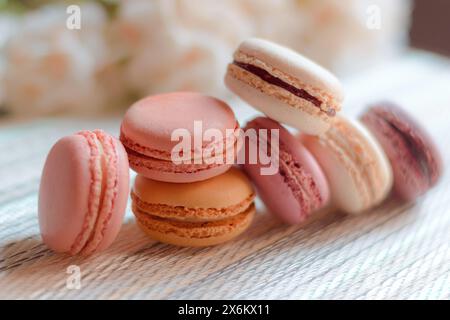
301, 184
407, 144
201, 213
213, 154
337, 141
194, 229
151, 221
226, 145
197, 214
138, 160
417, 153
103, 192
298, 180
267, 77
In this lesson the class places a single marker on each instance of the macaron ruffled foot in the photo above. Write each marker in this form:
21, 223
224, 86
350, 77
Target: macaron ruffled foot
196, 214
153, 126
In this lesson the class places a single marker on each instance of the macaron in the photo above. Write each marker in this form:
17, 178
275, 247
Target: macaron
356, 167
197, 214
154, 128
298, 186
415, 159
285, 85
83, 193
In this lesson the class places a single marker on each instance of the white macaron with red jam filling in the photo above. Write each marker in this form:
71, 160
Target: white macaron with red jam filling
285, 85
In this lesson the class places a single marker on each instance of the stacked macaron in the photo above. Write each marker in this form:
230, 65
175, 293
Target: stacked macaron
185, 192
182, 146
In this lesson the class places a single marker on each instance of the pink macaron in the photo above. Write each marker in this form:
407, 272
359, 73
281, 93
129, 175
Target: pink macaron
83, 193
415, 159
154, 127
298, 187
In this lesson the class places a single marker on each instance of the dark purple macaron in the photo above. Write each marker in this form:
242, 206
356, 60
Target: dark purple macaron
415, 160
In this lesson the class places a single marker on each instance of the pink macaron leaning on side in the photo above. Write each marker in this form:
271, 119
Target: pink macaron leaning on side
297, 187
415, 160
83, 193
169, 137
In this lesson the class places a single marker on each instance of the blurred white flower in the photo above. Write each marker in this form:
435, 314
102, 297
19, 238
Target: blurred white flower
179, 45
167, 45
184, 60
333, 32
280, 21
336, 34
50, 68
8, 25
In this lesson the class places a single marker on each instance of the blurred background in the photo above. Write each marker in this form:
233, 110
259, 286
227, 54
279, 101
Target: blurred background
131, 48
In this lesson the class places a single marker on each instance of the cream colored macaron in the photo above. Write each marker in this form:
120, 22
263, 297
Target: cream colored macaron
357, 169
194, 214
285, 85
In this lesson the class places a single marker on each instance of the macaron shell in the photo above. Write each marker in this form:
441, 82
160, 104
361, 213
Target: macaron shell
150, 122
293, 63
196, 214
383, 183
276, 109
181, 213
223, 191
169, 172
64, 192
345, 193
114, 222
276, 195
327, 105
99, 181
195, 235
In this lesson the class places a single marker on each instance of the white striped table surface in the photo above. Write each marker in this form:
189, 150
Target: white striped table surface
395, 251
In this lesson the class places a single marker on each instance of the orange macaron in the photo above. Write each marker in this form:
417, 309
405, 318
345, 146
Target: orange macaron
197, 214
